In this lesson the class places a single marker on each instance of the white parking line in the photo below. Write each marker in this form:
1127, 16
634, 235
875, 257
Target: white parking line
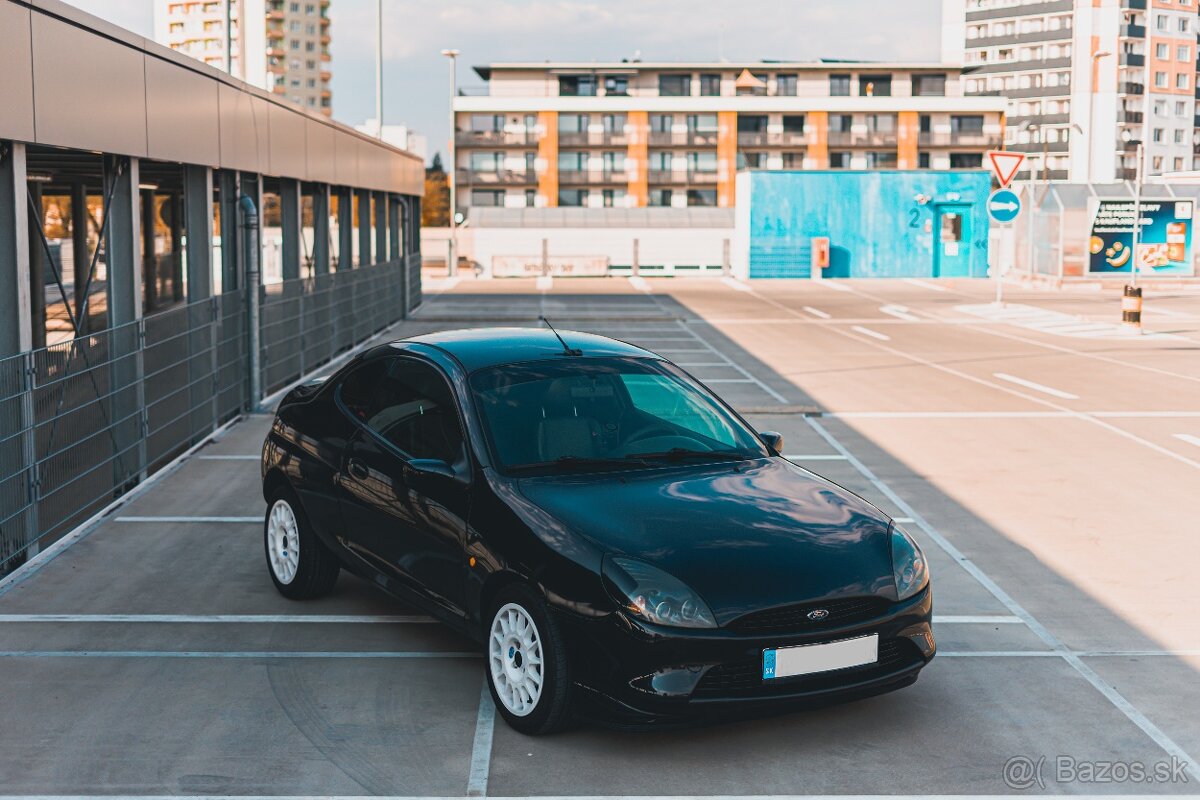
832, 284
730, 363
972, 619
883, 337
815, 457
816, 312
926, 284
189, 519
900, 312
544, 283
1187, 437
230, 458
1037, 387
734, 283
639, 283
1118, 700
229, 654
481, 750
254, 619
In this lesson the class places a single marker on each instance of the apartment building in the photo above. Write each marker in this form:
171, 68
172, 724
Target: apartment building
286, 43
1087, 80
634, 134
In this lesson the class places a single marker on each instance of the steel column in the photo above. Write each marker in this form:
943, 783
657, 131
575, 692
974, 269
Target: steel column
16, 332
289, 207
345, 258
382, 252
202, 320
230, 274
365, 256
320, 213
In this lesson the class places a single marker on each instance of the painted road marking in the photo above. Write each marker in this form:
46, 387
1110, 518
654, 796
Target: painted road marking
230, 654
900, 312
1165, 742
776, 395
883, 337
544, 283
1037, 387
832, 284
190, 519
816, 312
1055, 323
639, 283
1011, 414
481, 749
230, 458
252, 619
734, 283
815, 457
926, 284
971, 619
1187, 437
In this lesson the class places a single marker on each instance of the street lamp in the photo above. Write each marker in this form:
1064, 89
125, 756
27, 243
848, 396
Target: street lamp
1091, 134
452, 265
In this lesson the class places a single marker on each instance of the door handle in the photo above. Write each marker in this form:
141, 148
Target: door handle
357, 469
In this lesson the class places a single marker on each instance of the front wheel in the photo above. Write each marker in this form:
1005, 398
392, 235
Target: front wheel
301, 567
526, 663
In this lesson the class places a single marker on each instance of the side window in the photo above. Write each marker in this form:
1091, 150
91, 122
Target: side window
410, 405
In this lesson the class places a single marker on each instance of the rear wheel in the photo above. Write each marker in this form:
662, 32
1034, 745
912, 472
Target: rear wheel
300, 566
526, 663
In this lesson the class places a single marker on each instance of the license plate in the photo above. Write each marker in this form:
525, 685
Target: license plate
785, 662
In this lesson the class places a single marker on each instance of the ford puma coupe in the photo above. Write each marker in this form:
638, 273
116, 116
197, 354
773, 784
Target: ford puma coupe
622, 544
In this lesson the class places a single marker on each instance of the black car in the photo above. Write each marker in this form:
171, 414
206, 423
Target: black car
620, 541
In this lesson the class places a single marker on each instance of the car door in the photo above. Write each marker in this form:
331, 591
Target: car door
407, 521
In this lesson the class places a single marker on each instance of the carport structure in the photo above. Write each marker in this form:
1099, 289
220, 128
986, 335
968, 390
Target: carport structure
174, 246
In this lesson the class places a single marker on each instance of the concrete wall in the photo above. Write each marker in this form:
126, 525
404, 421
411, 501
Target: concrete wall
880, 223
73, 80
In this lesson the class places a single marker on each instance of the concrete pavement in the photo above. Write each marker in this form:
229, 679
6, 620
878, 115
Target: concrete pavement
1045, 467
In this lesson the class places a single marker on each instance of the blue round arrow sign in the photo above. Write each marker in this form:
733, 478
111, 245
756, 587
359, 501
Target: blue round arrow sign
1004, 205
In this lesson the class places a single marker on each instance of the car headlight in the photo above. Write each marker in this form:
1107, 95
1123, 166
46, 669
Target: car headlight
654, 596
908, 564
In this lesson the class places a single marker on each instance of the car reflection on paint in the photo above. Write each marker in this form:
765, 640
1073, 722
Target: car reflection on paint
622, 544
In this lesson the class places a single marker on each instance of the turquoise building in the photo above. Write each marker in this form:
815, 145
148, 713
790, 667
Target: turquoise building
879, 223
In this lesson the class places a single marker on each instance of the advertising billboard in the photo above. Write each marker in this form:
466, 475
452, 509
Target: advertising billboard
1164, 240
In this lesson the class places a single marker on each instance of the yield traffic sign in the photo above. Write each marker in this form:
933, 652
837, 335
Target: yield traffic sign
1005, 164
1004, 205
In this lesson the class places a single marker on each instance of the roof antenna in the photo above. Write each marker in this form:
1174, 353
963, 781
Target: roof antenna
567, 351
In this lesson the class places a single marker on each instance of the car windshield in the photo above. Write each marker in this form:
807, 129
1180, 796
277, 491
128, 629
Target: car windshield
611, 413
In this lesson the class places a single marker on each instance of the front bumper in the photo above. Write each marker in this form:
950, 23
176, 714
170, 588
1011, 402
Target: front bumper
627, 671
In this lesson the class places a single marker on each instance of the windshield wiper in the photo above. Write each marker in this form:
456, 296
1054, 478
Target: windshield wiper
683, 453
581, 461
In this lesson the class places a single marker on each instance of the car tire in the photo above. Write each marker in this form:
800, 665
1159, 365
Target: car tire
526, 663
300, 566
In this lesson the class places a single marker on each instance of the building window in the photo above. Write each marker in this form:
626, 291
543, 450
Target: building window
574, 161
616, 85
1178, 163
752, 123
966, 123
1178, 136
839, 85
793, 160
1185, 25
294, 44
703, 123
1160, 80
701, 197
923, 160
1183, 53
885, 159
875, 85
674, 85
1157, 164
530, 198
1162, 52
785, 85
840, 123
487, 123
839, 160
606, 197
614, 163
487, 197
1160, 108
751, 160
702, 162
486, 162
793, 123
660, 197
710, 85
1160, 22
572, 197
1181, 108
966, 160
1157, 135
613, 123
929, 85
1181, 80
577, 85
661, 123
572, 123
881, 123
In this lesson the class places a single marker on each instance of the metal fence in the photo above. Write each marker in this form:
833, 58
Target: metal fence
84, 421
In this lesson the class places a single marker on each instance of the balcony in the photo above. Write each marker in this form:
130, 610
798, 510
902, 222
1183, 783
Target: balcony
503, 177
876, 139
1134, 117
702, 177
496, 138
1131, 88
572, 138
752, 138
927, 139
840, 138
1130, 146
1133, 31
614, 138
665, 176
1133, 60
575, 177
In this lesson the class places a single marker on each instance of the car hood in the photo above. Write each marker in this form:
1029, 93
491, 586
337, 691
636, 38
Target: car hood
763, 535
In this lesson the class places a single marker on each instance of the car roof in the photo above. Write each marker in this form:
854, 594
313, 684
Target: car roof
475, 348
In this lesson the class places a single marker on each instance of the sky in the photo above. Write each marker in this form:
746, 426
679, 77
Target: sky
416, 79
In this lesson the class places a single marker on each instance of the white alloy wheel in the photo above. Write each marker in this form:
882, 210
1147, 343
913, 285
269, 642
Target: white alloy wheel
515, 657
283, 542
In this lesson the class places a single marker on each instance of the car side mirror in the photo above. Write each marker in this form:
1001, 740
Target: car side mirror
430, 466
773, 441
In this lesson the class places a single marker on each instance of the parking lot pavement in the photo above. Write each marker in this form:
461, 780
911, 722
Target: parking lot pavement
153, 655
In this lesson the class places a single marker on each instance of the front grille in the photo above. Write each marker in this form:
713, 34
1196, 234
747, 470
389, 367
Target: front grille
794, 619
744, 678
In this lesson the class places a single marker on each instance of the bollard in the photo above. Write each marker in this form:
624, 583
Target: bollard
1131, 307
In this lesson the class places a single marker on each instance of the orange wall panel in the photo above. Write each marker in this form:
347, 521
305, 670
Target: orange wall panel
907, 138
638, 156
818, 138
726, 158
547, 157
